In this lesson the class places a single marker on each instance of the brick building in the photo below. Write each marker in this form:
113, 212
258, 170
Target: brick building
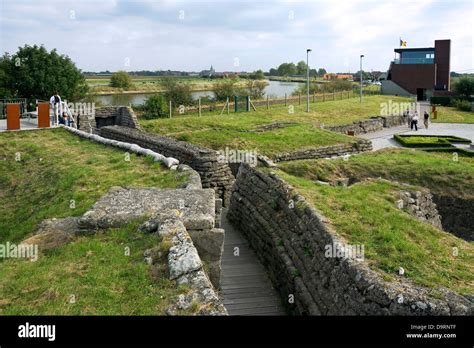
420, 72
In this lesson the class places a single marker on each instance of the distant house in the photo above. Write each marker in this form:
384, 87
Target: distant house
331, 76
421, 72
208, 73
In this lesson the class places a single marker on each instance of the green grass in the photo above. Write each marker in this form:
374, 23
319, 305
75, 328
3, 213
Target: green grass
216, 132
95, 273
57, 167
430, 140
391, 237
453, 115
152, 84
439, 172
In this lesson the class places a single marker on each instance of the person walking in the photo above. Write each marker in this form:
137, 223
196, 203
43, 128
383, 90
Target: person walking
414, 121
426, 118
409, 118
56, 105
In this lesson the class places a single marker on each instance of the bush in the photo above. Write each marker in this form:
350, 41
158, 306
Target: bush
178, 92
225, 88
463, 105
464, 86
155, 107
121, 79
36, 73
256, 89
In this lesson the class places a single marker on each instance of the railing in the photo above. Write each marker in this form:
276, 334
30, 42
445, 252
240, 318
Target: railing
414, 61
4, 102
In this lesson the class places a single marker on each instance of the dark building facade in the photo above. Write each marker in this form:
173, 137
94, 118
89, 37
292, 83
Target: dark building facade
423, 72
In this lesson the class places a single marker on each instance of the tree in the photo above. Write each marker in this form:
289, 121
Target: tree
178, 92
257, 75
321, 72
225, 88
273, 72
121, 79
256, 89
286, 69
301, 68
35, 73
464, 86
155, 107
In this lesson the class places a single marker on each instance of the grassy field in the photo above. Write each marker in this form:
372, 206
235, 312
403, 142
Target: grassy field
217, 132
56, 167
436, 171
392, 238
453, 115
91, 276
152, 84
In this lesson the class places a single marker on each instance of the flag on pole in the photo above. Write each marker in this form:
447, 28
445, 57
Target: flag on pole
403, 43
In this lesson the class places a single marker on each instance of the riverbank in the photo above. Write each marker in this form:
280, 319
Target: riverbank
153, 85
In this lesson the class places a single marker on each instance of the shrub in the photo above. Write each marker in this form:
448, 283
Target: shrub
121, 79
256, 89
155, 107
225, 88
178, 92
464, 86
463, 105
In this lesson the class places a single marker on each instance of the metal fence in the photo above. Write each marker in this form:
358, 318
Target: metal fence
4, 102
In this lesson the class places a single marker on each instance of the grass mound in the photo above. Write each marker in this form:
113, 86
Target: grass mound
52, 173
91, 276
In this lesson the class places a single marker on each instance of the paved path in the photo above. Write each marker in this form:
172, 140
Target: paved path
245, 286
384, 138
25, 124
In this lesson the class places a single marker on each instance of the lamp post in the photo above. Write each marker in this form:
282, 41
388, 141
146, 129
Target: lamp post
361, 56
307, 79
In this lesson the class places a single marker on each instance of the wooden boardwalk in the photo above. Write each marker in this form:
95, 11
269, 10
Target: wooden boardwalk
245, 286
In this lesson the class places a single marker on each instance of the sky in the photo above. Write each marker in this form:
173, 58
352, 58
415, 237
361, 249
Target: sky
236, 35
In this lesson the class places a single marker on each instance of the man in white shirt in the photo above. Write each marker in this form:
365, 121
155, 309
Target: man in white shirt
414, 121
55, 103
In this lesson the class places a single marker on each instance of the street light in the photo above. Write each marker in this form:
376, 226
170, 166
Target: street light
307, 79
361, 56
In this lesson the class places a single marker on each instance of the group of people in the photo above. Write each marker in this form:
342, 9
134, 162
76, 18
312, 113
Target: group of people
413, 118
59, 115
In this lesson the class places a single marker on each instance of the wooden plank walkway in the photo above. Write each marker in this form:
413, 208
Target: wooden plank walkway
245, 286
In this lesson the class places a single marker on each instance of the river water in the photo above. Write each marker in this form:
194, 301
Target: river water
274, 89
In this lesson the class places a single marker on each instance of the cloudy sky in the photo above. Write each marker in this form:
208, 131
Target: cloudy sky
236, 35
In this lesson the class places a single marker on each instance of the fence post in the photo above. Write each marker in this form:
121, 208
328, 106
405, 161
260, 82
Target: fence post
285, 99
228, 102
299, 98
333, 95
199, 106
170, 109
324, 97
268, 103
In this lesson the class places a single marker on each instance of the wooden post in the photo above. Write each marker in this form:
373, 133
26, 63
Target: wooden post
199, 106
285, 99
324, 97
228, 105
43, 115
13, 116
170, 109
268, 103
299, 98
333, 95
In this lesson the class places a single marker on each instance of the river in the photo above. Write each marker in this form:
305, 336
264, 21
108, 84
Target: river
273, 89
